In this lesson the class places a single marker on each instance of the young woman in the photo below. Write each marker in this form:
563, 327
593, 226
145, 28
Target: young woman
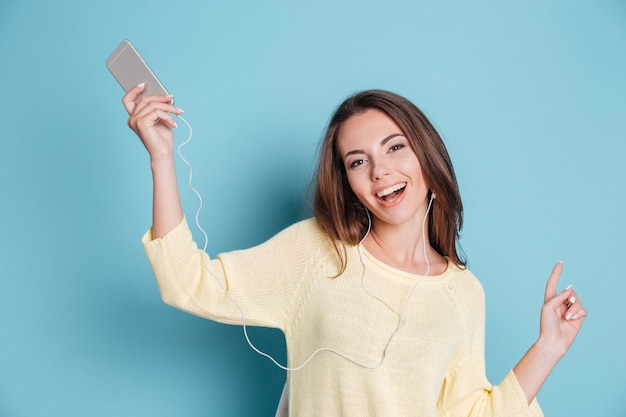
380, 315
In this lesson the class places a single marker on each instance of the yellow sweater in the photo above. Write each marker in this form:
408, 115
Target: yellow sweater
434, 366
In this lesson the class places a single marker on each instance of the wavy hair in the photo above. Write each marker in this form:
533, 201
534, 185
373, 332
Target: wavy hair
337, 209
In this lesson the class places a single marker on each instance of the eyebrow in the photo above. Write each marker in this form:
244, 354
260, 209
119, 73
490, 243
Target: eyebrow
382, 143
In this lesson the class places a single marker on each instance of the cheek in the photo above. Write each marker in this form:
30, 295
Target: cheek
413, 167
356, 185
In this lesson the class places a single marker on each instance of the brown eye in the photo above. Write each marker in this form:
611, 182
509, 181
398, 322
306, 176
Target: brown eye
356, 163
396, 147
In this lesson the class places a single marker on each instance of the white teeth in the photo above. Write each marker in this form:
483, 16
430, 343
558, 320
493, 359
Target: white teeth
390, 190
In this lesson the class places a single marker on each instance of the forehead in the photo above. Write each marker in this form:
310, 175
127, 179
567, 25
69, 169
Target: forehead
365, 128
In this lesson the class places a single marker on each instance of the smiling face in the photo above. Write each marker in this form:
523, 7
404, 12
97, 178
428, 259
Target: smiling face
382, 169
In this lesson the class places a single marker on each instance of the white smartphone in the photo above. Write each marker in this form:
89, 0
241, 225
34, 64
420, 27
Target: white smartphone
130, 69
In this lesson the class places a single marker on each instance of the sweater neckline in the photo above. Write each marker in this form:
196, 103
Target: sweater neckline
404, 275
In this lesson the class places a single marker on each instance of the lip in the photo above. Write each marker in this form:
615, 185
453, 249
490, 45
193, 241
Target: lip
394, 201
388, 186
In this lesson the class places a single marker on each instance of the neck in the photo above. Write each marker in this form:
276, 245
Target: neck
405, 247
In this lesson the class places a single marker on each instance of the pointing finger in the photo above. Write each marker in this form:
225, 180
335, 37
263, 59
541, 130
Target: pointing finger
553, 281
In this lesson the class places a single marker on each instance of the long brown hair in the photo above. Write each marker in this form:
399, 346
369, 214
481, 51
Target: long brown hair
337, 209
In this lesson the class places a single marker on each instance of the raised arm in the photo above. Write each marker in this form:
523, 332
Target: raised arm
562, 316
151, 119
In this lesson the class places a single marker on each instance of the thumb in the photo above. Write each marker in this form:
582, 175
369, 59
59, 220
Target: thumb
559, 299
129, 100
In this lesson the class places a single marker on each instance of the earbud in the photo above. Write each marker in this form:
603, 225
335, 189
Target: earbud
433, 196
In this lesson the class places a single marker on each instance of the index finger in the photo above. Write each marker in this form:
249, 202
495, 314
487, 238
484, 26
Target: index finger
131, 96
553, 281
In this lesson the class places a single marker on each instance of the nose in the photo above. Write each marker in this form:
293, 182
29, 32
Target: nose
379, 169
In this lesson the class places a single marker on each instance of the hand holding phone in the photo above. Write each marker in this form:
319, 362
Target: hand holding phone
150, 119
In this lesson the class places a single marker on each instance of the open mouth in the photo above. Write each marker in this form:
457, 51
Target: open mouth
391, 192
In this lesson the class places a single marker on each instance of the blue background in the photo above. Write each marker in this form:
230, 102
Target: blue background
529, 97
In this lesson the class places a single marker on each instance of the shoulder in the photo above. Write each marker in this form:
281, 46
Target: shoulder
307, 230
465, 282
469, 297
303, 239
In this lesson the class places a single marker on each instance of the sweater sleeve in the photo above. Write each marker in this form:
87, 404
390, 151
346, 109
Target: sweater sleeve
264, 281
466, 390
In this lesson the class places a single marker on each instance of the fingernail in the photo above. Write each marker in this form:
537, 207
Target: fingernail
141, 85
572, 299
575, 317
569, 286
568, 316
175, 125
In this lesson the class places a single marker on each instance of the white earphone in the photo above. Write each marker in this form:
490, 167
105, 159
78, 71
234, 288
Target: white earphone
361, 254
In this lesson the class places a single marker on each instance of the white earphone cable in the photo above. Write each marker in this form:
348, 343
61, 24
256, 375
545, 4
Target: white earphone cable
243, 317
